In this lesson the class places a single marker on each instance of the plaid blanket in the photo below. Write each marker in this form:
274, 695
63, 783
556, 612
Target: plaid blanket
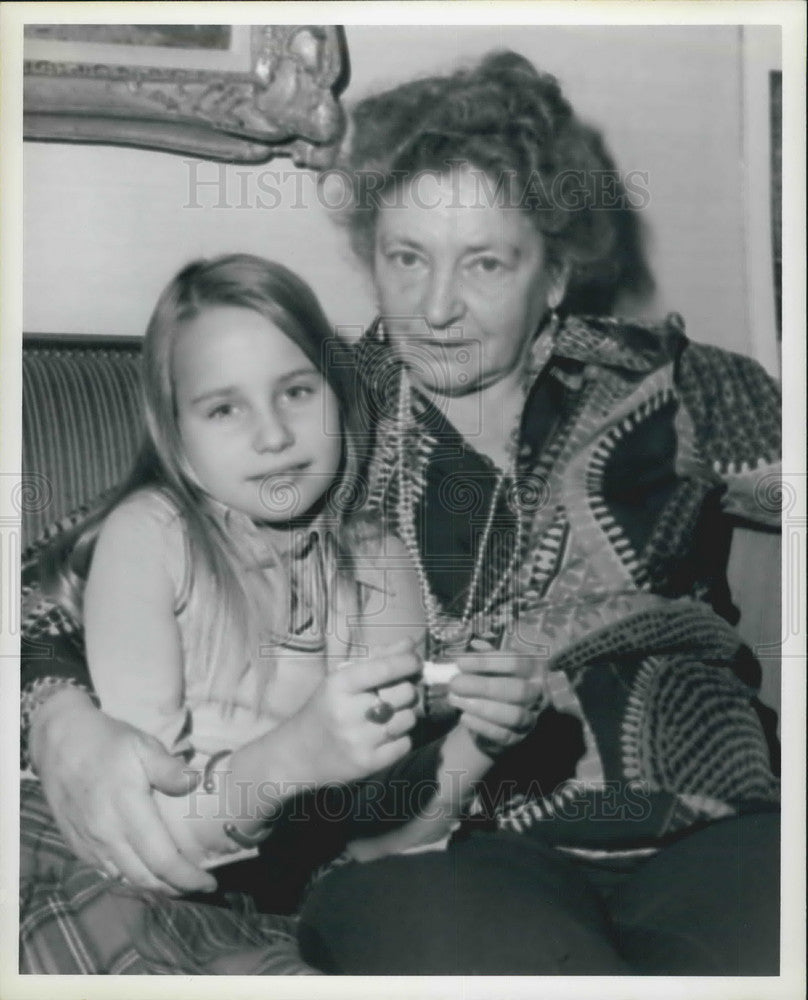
75, 920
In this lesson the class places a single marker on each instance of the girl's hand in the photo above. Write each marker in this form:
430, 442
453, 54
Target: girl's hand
337, 742
499, 694
97, 775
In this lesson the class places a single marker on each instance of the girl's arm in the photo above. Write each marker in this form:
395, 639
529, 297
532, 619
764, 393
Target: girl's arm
96, 773
133, 644
395, 609
461, 765
132, 640
135, 660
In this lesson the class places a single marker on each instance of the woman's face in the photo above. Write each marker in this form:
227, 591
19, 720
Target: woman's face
462, 282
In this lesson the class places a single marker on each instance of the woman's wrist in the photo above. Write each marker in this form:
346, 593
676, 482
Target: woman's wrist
52, 715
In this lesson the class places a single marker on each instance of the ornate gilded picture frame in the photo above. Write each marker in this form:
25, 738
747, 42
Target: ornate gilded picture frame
243, 93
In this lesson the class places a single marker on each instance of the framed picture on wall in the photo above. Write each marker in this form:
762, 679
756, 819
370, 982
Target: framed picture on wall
228, 92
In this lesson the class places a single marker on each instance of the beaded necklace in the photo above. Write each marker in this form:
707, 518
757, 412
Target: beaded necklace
458, 632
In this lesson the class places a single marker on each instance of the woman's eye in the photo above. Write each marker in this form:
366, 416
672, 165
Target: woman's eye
488, 265
407, 259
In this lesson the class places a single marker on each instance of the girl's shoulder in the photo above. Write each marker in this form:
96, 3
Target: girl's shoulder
150, 502
148, 512
147, 527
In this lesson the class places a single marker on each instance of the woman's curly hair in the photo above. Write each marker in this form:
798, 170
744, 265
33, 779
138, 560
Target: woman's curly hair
511, 121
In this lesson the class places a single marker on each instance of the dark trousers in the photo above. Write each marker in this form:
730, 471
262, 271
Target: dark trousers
504, 904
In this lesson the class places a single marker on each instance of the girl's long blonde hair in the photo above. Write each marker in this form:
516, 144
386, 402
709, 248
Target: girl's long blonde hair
289, 304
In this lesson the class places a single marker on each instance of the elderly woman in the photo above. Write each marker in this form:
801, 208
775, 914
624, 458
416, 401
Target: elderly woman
562, 485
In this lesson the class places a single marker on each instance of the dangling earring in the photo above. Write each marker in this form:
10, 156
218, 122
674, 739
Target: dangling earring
556, 294
552, 320
540, 350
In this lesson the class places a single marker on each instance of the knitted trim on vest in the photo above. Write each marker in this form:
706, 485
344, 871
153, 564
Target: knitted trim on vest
688, 729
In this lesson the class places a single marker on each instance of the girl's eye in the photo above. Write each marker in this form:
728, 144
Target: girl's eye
297, 393
222, 411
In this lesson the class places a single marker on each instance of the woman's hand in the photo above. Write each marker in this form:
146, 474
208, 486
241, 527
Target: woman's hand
97, 775
499, 694
337, 741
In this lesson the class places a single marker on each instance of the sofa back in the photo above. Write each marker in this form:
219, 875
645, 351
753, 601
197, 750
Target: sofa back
80, 423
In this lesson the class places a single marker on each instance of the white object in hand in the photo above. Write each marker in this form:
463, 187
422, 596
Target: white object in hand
439, 673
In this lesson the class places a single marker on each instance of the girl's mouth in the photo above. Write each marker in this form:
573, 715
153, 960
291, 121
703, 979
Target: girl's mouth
283, 473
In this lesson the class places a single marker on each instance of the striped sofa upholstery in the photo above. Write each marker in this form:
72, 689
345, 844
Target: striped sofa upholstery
80, 425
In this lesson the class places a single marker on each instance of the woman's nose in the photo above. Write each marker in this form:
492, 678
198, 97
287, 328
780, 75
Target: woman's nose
444, 299
271, 433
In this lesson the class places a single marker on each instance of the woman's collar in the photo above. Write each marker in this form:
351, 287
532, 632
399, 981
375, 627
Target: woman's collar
611, 342
599, 340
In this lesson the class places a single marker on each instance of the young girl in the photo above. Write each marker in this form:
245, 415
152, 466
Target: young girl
232, 611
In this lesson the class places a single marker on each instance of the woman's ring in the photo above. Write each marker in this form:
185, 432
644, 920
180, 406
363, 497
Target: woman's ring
380, 712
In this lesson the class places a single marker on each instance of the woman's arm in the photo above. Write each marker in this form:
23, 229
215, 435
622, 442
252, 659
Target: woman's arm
98, 775
736, 430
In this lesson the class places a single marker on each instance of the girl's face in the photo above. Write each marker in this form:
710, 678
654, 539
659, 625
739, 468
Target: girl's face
462, 282
259, 423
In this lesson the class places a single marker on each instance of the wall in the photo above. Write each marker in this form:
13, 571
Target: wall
105, 228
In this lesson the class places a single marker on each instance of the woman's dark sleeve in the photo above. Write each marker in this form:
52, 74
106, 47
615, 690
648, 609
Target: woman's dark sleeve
735, 410
51, 658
